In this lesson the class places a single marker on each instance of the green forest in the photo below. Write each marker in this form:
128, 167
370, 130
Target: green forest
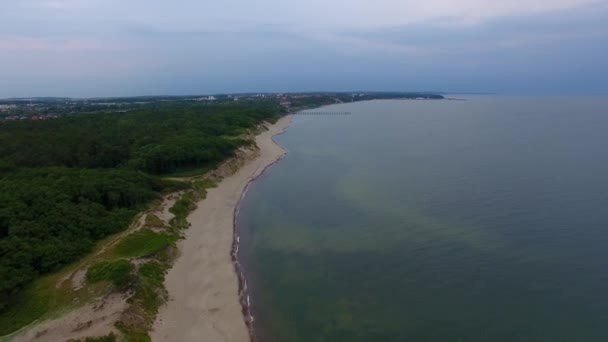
67, 183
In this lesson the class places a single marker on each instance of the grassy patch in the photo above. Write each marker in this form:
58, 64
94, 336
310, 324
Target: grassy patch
201, 186
142, 243
42, 297
148, 298
149, 295
153, 221
111, 337
132, 334
184, 205
117, 272
153, 273
50, 294
26, 308
187, 202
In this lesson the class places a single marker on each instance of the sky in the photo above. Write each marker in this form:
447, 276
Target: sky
91, 48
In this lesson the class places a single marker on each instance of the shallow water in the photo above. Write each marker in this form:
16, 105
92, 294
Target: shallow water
479, 220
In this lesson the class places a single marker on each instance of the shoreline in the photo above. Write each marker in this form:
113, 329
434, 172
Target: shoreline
244, 297
205, 300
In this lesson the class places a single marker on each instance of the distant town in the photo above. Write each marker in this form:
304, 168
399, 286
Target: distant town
51, 108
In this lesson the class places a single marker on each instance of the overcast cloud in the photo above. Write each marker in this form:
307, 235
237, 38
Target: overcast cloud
135, 47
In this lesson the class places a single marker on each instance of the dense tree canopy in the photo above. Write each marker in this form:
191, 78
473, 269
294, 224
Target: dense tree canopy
67, 183
157, 139
50, 216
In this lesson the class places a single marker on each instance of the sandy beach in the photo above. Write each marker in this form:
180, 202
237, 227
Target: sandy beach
203, 284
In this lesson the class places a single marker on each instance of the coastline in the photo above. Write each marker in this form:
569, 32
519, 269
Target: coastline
208, 297
244, 298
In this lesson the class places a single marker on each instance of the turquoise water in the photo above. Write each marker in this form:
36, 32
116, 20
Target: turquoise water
479, 220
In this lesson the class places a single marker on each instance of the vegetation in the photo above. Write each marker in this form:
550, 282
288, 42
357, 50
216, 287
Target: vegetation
111, 337
142, 243
184, 205
322, 99
118, 272
149, 292
50, 292
51, 216
153, 221
66, 184
187, 202
132, 334
158, 140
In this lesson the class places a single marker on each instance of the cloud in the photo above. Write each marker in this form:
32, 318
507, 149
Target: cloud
296, 15
193, 46
62, 5
25, 43
501, 32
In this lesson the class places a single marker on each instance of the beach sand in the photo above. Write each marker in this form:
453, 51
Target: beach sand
203, 284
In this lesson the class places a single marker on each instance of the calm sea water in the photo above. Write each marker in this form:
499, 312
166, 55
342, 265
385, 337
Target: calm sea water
479, 220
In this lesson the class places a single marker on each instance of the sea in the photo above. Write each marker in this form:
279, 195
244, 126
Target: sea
479, 220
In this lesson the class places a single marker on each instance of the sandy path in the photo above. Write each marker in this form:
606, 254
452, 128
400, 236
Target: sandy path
203, 285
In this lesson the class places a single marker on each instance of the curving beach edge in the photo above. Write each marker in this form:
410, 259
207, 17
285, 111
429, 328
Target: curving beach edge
207, 294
